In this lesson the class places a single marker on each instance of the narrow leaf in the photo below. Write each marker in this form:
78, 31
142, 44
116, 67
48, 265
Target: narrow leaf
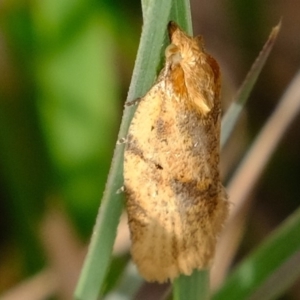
230, 118
251, 275
194, 287
251, 168
181, 13
97, 261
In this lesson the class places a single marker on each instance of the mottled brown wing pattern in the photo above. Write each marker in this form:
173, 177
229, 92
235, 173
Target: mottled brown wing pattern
175, 201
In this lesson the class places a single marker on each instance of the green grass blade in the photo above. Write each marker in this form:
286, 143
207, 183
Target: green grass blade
251, 276
251, 167
194, 287
97, 261
280, 280
181, 13
230, 118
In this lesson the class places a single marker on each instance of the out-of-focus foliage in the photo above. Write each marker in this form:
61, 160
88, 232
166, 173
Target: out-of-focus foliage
60, 105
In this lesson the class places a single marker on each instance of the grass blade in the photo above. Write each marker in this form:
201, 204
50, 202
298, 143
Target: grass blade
194, 287
97, 261
230, 118
250, 169
250, 277
181, 13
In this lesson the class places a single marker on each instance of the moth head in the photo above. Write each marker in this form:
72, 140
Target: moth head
187, 46
201, 71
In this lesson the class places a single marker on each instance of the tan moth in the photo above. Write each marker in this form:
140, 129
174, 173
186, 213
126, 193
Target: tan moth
175, 201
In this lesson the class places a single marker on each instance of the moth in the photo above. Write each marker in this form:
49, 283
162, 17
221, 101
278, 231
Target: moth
175, 201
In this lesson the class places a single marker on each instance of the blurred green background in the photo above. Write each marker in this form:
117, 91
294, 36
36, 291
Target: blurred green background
65, 68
